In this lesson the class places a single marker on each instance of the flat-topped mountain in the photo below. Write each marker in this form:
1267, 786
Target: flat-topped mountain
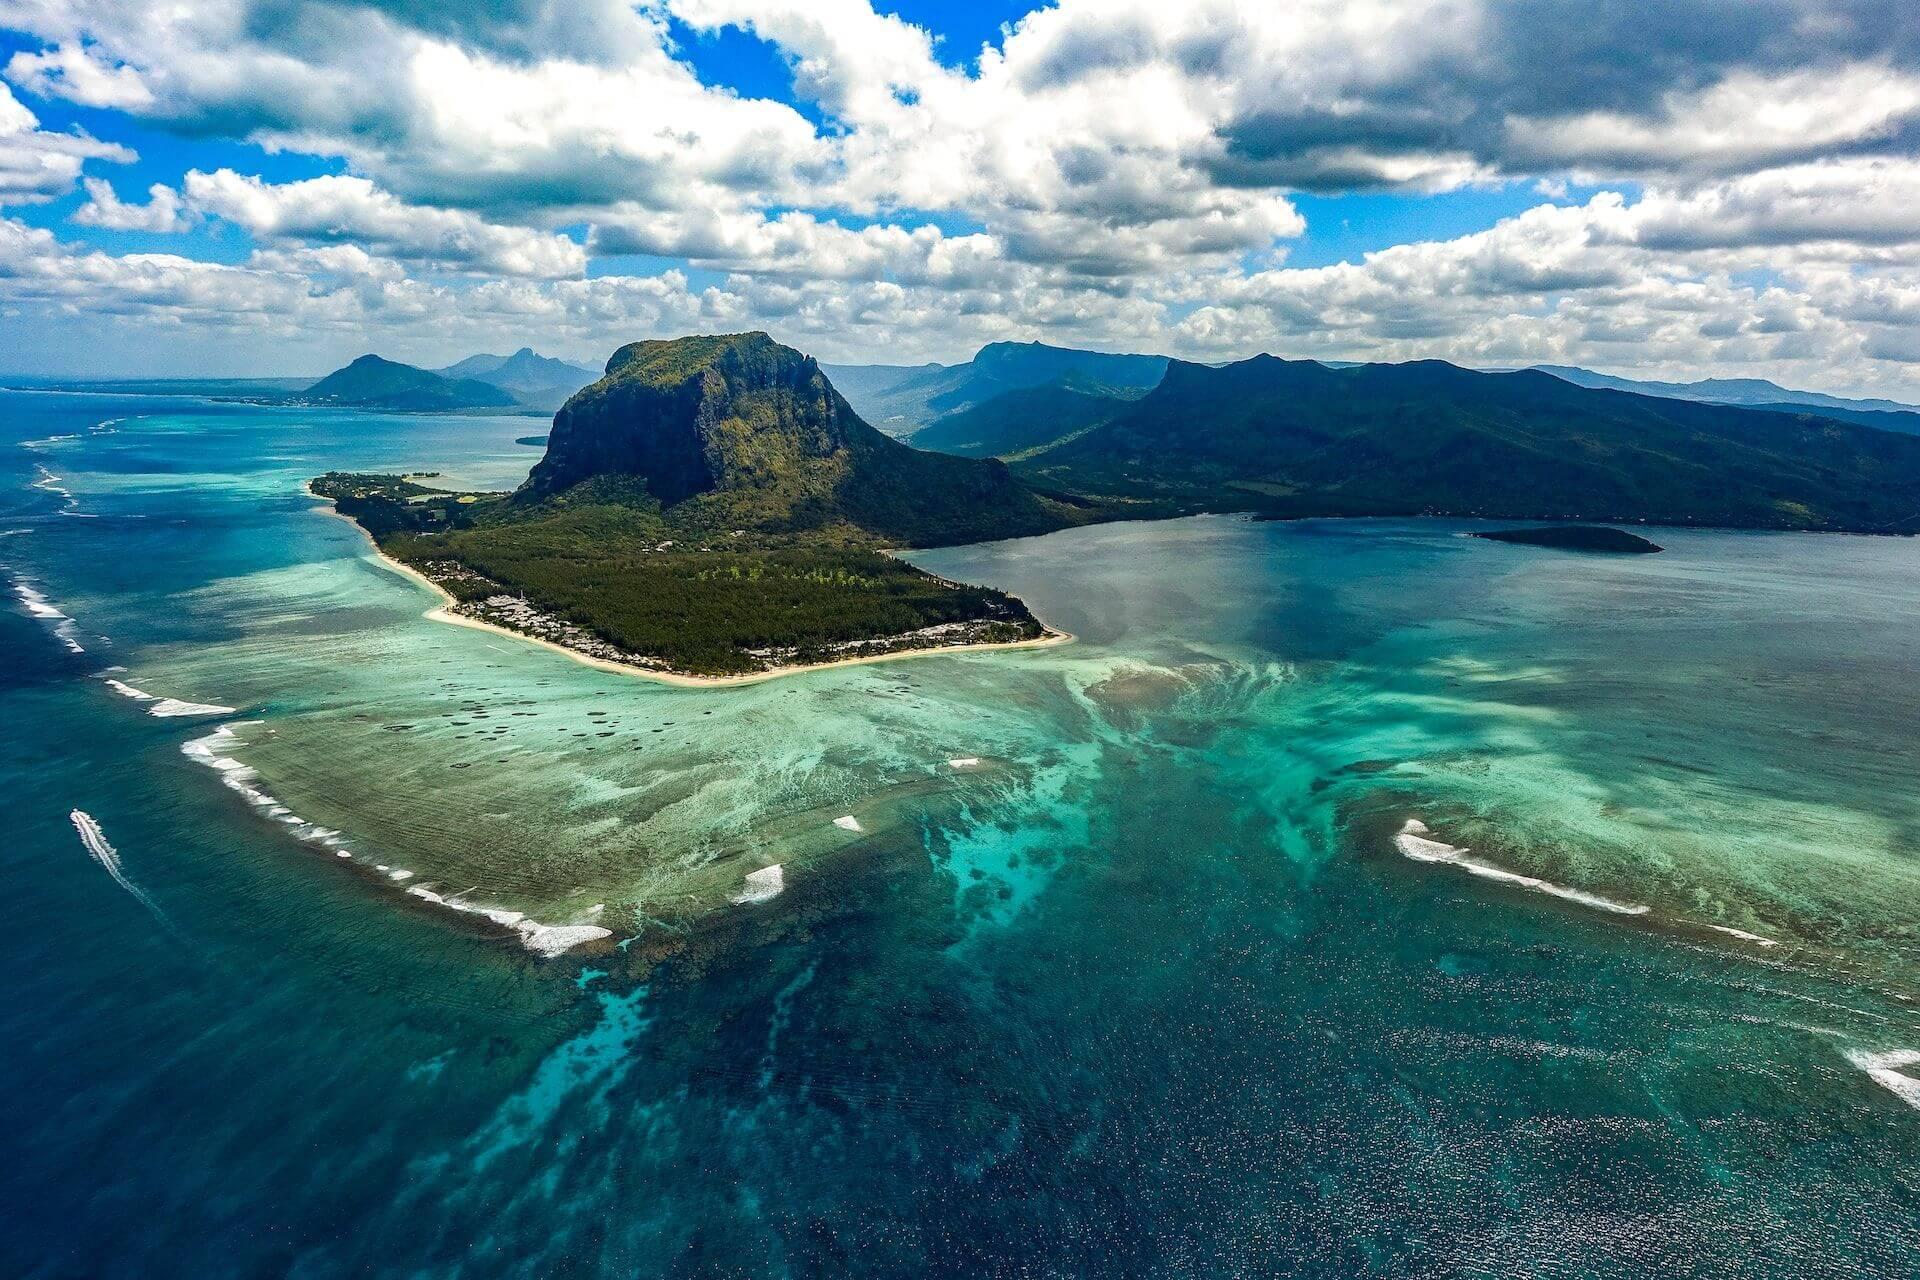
738, 431
374, 383
1295, 437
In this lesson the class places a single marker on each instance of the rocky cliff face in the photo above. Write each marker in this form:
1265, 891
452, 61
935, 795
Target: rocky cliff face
738, 429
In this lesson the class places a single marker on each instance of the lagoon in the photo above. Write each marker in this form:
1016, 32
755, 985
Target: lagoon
1120, 968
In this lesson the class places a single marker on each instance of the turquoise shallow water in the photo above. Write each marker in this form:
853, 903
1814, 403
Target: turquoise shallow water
1150, 989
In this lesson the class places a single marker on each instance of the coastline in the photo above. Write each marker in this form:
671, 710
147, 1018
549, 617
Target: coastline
443, 612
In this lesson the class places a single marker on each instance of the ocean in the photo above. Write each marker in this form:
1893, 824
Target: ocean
1350, 898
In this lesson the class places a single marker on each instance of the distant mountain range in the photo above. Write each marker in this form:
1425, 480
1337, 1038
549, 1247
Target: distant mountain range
901, 399
522, 380
1755, 393
1295, 437
537, 381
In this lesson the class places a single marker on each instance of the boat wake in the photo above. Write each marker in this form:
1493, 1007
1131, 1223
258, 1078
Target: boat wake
1415, 841
103, 852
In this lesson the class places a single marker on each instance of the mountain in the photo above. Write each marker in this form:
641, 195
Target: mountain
902, 399
1756, 392
536, 381
712, 505
737, 431
374, 383
1298, 438
524, 370
1905, 421
1016, 422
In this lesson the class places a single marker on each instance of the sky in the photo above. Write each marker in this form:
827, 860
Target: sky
1686, 189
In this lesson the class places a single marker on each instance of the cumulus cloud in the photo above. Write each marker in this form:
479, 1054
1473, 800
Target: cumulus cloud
36, 164
162, 211
351, 210
1115, 172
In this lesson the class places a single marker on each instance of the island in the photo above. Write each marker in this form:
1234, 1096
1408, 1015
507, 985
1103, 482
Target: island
712, 509
1576, 537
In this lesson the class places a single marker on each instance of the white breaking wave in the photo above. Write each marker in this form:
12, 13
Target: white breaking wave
108, 857
1414, 841
65, 629
761, 886
848, 823
1743, 935
1885, 1070
213, 751
166, 707
541, 939
963, 762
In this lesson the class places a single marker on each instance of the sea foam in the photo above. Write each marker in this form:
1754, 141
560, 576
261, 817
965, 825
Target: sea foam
761, 886
214, 750
1415, 841
166, 707
37, 604
1884, 1068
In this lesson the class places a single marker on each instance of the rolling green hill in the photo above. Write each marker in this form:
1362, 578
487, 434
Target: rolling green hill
1299, 438
373, 383
903, 399
1017, 422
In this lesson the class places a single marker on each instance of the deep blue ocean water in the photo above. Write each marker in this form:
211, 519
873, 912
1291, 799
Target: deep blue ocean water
1149, 990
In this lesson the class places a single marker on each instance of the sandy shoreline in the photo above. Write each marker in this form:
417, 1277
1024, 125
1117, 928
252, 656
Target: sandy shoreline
443, 612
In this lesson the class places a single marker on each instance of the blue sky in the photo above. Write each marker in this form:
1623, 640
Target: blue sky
274, 186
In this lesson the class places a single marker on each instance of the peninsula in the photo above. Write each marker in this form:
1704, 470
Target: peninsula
711, 508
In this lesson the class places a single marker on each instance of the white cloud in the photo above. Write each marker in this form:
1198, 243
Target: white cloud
38, 165
73, 72
161, 212
1114, 172
351, 210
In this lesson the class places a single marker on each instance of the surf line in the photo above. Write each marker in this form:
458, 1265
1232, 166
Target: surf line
95, 841
165, 707
214, 751
36, 603
1415, 841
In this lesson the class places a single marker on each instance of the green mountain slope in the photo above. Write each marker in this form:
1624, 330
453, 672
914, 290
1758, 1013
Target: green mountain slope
1016, 422
1296, 437
374, 383
902, 399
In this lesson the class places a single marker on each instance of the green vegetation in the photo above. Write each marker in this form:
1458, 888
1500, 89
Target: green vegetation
373, 383
1296, 438
904, 399
1576, 537
1017, 423
625, 573
712, 505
